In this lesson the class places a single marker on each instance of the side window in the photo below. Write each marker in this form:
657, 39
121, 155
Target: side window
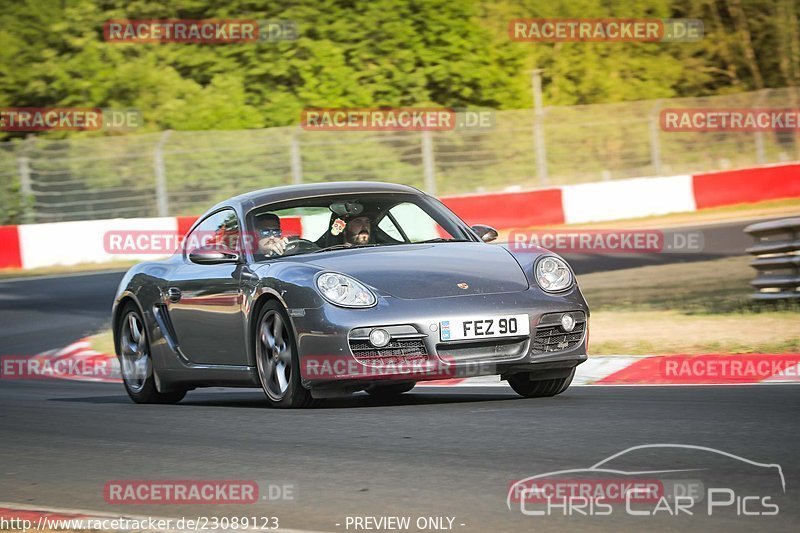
390, 229
415, 222
220, 230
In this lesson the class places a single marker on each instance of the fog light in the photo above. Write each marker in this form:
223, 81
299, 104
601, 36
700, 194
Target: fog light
567, 322
379, 338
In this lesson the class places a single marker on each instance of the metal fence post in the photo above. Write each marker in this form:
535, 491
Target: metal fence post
296, 160
760, 157
538, 127
162, 199
655, 141
428, 166
759, 136
26, 189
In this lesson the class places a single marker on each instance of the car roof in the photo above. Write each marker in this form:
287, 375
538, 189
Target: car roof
260, 197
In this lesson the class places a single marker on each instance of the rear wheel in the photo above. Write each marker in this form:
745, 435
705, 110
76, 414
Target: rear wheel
277, 360
388, 391
524, 386
136, 363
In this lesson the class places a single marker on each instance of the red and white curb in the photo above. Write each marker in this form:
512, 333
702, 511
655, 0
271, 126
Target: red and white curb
704, 369
80, 362
46, 518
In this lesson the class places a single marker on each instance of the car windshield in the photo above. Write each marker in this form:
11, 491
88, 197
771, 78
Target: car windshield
335, 222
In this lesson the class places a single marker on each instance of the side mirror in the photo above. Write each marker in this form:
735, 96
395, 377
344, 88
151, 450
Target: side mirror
486, 233
208, 255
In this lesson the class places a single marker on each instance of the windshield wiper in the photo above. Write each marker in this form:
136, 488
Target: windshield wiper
342, 246
441, 239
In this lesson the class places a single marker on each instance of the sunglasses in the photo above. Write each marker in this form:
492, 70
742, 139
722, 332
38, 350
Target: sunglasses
270, 232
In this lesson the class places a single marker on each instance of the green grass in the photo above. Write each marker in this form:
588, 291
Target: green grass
103, 342
665, 332
719, 286
700, 307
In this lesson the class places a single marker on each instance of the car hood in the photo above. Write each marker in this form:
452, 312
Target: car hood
420, 271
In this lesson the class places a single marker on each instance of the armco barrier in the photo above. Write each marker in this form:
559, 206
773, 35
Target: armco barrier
69, 243
640, 197
10, 256
73, 243
777, 260
629, 198
746, 185
511, 209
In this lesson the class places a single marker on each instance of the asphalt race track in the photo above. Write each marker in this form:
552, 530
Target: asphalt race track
431, 453
437, 452
40, 314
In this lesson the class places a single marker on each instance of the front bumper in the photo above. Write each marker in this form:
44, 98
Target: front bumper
327, 361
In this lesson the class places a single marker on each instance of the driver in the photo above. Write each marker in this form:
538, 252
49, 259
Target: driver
358, 231
271, 243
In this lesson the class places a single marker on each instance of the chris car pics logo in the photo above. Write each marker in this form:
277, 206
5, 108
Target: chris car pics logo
445, 330
663, 479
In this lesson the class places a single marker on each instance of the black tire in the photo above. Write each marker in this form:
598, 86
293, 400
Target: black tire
522, 385
270, 356
389, 391
134, 343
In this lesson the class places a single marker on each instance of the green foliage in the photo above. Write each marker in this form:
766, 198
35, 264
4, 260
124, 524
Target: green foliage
12, 205
382, 52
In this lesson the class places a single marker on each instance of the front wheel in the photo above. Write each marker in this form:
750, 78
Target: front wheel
136, 364
524, 386
277, 360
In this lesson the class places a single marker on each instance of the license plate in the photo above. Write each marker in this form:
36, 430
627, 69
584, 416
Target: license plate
488, 327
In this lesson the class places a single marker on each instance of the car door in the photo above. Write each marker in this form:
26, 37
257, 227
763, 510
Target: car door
205, 300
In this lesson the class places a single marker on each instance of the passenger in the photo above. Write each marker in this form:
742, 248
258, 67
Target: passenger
358, 231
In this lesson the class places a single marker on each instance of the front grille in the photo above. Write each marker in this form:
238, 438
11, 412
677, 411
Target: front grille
494, 350
551, 337
398, 351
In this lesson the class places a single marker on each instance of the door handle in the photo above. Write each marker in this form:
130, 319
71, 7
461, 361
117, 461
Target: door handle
174, 294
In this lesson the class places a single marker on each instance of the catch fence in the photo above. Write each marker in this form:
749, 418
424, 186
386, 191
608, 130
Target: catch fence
181, 172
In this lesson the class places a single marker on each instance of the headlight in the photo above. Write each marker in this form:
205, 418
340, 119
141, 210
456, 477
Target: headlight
343, 290
552, 274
